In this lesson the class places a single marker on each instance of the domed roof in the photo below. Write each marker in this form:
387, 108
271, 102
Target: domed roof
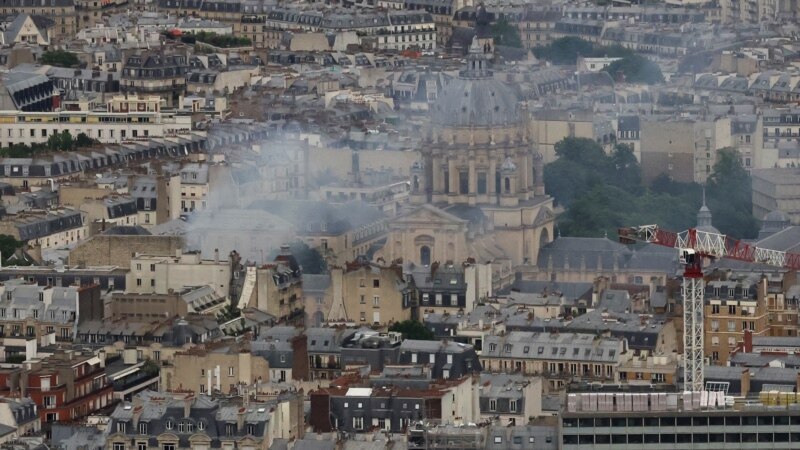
475, 98
478, 102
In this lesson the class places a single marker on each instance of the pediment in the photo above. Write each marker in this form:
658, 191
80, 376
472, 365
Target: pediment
429, 215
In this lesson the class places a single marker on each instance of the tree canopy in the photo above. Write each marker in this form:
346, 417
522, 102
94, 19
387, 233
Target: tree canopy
413, 329
602, 192
59, 58
61, 141
565, 51
217, 40
504, 33
8, 245
636, 69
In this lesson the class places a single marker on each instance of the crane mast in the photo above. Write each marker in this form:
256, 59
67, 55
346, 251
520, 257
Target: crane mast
694, 246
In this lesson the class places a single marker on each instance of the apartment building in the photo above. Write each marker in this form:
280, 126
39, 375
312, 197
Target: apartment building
278, 289
731, 308
46, 229
193, 421
158, 274
150, 73
220, 369
35, 311
557, 357
179, 302
62, 12
369, 293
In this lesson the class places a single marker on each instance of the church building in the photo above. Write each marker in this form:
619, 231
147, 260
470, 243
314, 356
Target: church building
477, 190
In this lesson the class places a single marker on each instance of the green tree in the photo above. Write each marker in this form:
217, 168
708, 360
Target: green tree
83, 141
504, 33
636, 69
61, 141
59, 58
729, 189
8, 245
565, 51
413, 329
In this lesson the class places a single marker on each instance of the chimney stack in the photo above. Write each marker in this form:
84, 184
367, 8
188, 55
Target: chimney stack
748, 341
745, 382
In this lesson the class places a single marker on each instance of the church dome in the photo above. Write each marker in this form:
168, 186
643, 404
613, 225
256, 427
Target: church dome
480, 103
475, 98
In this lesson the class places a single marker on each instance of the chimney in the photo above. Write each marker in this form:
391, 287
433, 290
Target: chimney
216, 256
745, 382
137, 413
240, 419
187, 405
748, 341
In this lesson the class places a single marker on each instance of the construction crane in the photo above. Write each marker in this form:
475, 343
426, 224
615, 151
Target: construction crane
694, 247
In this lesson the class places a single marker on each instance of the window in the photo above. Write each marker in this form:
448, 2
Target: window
119, 446
732, 309
141, 446
358, 423
512, 406
376, 283
731, 325
168, 447
142, 427
170, 424
715, 325
376, 301
230, 371
363, 316
121, 427
432, 358
492, 405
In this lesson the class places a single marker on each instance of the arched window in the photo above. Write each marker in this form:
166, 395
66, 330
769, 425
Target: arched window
425, 255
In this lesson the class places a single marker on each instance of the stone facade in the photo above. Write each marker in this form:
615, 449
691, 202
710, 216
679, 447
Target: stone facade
116, 250
479, 185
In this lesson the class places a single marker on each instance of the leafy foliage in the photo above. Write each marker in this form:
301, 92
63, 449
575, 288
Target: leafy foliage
506, 34
8, 245
61, 141
217, 40
636, 69
413, 329
83, 141
59, 58
565, 51
604, 192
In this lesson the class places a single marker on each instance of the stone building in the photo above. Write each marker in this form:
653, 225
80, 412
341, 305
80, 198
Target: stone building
207, 370
478, 186
369, 293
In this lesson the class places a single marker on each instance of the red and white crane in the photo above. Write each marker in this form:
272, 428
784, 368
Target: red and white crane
694, 246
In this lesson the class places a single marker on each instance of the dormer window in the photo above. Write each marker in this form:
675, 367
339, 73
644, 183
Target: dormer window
170, 424
143, 428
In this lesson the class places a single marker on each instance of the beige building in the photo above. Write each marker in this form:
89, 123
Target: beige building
276, 288
123, 119
46, 229
61, 12
549, 127
370, 294
148, 306
685, 149
202, 370
776, 189
117, 249
478, 188
729, 311
152, 274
